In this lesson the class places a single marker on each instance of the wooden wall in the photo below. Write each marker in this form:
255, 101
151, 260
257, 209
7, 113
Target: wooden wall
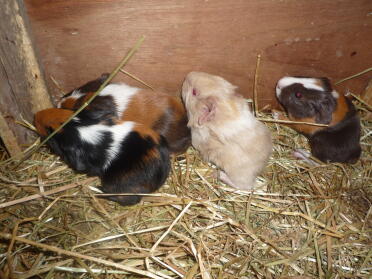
22, 87
79, 39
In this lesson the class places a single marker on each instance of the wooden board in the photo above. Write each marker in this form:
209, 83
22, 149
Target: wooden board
22, 87
79, 39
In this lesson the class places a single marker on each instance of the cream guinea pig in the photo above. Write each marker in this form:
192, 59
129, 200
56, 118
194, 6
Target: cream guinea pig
224, 130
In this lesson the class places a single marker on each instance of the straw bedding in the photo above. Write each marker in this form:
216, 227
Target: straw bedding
304, 221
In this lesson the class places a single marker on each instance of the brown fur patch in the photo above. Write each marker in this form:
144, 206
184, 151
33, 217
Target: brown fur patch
74, 103
341, 110
303, 128
146, 132
319, 82
146, 107
68, 103
178, 107
50, 118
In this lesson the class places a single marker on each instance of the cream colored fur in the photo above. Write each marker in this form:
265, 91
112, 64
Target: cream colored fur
233, 139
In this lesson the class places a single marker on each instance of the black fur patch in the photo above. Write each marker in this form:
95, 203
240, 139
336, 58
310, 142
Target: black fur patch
131, 173
101, 110
338, 143
80, 155
311, 103
90, 86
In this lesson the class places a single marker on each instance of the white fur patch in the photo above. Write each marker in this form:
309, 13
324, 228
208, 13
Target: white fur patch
118, 132
92, 134
76, 94
309, 83
335, 94
121, 93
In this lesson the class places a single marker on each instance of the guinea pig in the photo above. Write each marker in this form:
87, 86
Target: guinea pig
224, 130
313, 100
127, 156
163, 113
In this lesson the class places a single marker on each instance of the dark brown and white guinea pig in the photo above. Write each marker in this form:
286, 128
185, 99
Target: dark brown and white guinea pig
224, 130
127, 156
159, 111
313, 100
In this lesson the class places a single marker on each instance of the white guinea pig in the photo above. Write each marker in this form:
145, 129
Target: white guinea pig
224, 130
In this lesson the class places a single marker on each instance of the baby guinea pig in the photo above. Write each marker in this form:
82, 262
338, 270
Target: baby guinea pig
127, 156
313, 100
224, 130
163, 113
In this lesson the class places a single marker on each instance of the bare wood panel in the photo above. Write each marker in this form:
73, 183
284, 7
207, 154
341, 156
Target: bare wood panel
79, 39
22, 87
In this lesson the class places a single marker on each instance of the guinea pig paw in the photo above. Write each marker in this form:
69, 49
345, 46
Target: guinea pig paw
301, 154
276, 114
225, 179
304, 155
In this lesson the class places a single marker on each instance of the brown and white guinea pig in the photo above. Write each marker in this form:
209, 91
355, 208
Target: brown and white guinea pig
224, 130
163, 113
127, 156
313, 100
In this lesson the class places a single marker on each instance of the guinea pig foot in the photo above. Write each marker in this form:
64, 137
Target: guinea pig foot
304, 155
225, 179
124, 200
277, 115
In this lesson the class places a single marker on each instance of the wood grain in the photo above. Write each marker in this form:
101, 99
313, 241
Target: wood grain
22, 87
79, 39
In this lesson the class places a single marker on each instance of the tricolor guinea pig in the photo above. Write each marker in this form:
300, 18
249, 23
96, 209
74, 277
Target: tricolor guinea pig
127, 156
313, 100
163, 113
224, 130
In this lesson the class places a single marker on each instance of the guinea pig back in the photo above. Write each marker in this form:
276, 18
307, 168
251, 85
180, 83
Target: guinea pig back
313, 100
127, 156
163, 113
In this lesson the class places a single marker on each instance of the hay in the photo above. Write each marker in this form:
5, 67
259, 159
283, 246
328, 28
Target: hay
313, 221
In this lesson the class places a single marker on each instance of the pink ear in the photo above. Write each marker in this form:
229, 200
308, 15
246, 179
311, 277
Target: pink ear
208, 110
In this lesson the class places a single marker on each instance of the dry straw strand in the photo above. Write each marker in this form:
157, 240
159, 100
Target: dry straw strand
78, 255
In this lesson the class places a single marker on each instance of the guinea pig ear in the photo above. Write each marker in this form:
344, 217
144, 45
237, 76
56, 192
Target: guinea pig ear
208, 110
326, 84
324, 109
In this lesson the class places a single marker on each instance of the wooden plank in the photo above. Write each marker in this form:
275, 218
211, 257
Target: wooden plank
79, 39
23, 90
8, 137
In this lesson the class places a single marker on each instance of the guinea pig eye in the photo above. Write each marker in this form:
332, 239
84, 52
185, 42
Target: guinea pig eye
194, 92
298, 95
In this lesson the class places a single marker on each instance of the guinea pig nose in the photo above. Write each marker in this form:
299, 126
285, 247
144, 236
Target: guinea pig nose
194, 92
